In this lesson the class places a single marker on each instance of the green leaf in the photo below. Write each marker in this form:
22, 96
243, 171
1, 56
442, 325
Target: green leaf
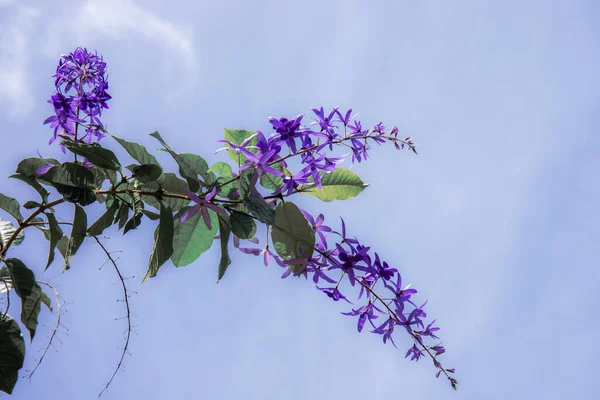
11, 206
260, 209
31, 181
28, 290
12, 348
242, 225
185, 169
237, 136
147, 172
137, 151
292, 232
225, 176
104, 221
224, 233
192, 237
31, 205
63, 245
170, 183
123, 215
53, 235
70, 174
152, 216
198, 164
75, 182
136, 219
341, 184
29, 166
78, 233
163, 242
94, 153
272, 182
7, 230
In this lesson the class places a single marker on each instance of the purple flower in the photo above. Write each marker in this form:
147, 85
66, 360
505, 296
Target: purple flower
365, 312
333, 293
202, 205
414, 352
288, 130
317, 225
83, 73
383, 270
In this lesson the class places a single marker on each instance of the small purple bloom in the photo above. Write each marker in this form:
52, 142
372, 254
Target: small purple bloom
202, 205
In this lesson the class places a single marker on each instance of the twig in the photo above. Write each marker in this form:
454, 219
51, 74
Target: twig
126, 296
58, 314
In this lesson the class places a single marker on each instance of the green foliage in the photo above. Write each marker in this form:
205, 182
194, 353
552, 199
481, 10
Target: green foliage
137, 151
94, 153
242, 225
12, 349
53, 234
146, 173
11, 206
75, 182
78, 233
260, 209
29, 291
292, 232
186, 170
163, 242
192, 237
7, 230
104, 221
273, 182
341, 184
224, 232
31, 181
29, 166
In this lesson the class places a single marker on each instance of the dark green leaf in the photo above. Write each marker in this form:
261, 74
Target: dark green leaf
78, 233
152, 216
237, 136
163, 242
224, 233
53, 235
341, 184
70, 174
137, 151
62, 245
186, 170
11, 206
292, 232
170, 183
29, 166
242, 225
31, 181
260, 209
192, 237
104, 221
31, 204
94, 153
12, 349
28, 290
123, 215
75, 182
147, 172
198, 164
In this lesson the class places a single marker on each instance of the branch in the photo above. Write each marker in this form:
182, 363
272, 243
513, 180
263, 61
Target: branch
126, 296
58, 314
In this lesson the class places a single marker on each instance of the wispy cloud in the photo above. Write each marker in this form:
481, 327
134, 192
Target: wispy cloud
119, 19
15, 91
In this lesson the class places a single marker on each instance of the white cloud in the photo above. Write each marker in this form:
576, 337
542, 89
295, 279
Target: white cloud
119, 19
15, 90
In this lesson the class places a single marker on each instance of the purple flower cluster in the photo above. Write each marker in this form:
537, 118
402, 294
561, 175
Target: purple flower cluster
386, 303
310, 144
81, 94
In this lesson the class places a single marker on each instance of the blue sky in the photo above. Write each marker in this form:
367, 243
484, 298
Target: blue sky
494, 222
